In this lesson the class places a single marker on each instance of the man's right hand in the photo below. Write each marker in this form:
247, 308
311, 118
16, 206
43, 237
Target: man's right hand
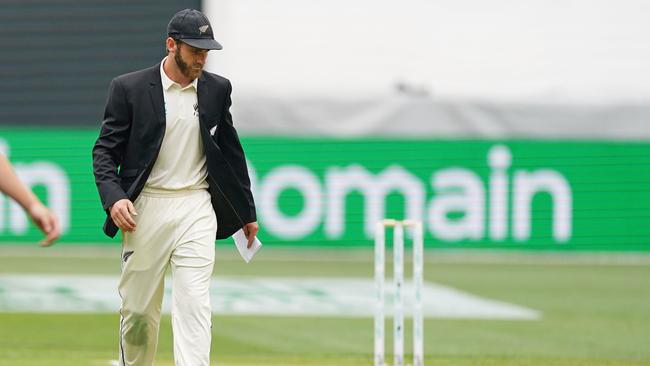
122, 213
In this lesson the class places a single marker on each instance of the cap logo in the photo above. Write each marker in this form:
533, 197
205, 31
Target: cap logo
204, 28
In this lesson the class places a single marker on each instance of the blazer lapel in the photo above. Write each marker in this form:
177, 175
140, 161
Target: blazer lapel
203, 96
157, 98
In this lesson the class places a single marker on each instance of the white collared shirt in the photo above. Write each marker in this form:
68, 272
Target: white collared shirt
181, 161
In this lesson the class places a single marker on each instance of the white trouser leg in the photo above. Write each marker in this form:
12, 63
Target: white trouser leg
139, 326
145, 257
192, 263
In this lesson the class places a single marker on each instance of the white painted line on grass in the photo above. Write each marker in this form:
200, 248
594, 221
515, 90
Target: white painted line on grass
271, 296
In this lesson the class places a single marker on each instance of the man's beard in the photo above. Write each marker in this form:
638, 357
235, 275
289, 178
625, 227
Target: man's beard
186, 70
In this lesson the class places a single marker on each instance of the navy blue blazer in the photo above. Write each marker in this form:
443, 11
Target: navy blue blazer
132, 132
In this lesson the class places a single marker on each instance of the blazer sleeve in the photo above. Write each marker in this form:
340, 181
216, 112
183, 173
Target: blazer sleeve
230, 146
108, 151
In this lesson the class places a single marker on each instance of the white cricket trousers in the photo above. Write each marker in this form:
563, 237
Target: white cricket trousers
175, 229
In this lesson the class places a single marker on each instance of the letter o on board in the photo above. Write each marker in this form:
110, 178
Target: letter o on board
280, 179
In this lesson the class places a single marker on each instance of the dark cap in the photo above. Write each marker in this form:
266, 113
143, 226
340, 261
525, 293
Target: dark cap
192, 27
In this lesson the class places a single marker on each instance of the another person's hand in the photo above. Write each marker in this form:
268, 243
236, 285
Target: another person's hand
250, 230
122, 213
11, 185
46, 221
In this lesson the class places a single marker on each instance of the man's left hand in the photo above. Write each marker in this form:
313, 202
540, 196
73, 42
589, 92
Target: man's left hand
250, 230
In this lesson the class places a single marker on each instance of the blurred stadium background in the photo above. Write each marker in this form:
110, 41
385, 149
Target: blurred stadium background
518, 132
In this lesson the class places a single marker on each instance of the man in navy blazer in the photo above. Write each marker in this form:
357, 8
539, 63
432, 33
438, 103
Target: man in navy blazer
172, 175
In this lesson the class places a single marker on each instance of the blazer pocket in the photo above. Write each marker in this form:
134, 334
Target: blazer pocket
213, 129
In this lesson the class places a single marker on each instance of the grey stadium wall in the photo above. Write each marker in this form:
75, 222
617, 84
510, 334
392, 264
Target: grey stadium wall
58, 56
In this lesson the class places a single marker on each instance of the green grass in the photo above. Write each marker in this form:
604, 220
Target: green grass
592, 314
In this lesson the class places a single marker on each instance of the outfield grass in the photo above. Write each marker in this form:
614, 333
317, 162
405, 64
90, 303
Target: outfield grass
593, 314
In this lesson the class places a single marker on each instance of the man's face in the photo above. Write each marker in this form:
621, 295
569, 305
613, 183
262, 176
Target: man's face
190, 60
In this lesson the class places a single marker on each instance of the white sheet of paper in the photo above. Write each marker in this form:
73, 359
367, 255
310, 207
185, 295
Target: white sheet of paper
242, 243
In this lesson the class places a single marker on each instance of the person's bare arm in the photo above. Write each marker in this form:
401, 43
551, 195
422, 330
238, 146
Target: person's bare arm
11, 185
